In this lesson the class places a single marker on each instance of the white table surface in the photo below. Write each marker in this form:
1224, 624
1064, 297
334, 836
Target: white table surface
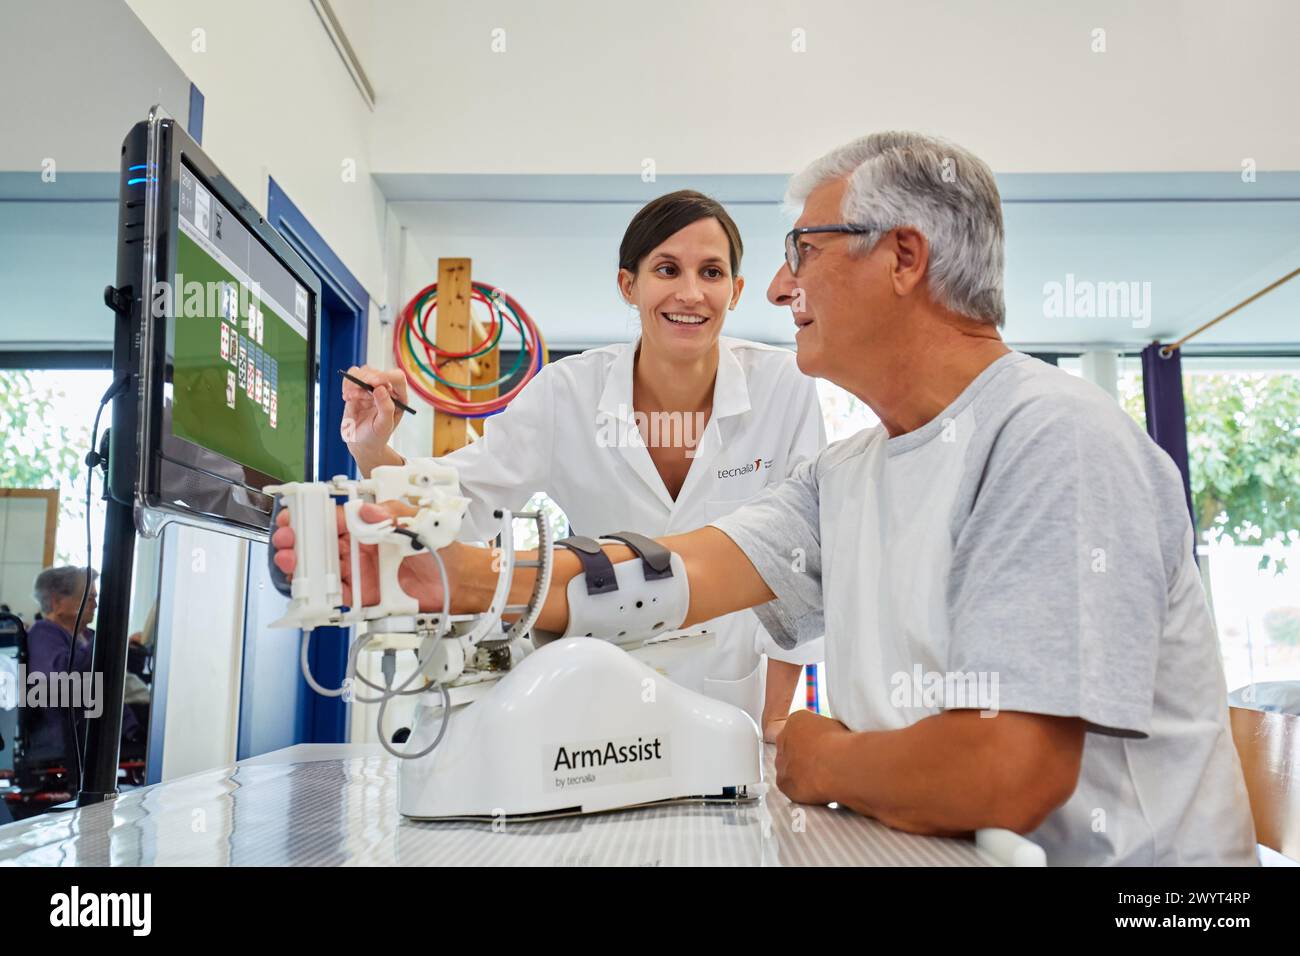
336, 805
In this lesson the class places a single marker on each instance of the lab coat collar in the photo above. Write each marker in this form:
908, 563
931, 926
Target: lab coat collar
730, 397
730, 389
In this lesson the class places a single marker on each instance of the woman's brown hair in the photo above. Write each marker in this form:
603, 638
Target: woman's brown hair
660, 218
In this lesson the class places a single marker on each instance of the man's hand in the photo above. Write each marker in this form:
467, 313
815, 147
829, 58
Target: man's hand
370, 418
949, 773
801, 756
418, 575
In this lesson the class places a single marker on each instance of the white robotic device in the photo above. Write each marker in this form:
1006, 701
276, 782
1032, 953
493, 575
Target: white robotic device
577, 725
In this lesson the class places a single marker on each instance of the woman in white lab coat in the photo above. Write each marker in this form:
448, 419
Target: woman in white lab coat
658, 436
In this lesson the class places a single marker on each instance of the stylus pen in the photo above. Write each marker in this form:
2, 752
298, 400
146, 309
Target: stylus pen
370, 388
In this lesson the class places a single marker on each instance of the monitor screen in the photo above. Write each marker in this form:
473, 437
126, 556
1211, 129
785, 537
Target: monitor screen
240, 346
215, 326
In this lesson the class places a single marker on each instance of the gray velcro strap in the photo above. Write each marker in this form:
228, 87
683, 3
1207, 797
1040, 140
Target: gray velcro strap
656, 560
595, 564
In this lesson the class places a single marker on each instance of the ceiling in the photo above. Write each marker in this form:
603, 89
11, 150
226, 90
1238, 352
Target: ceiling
1201, 243
1194, 244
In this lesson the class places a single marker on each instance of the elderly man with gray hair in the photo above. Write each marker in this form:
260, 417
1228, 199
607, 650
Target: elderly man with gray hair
1007, 527
1016, 632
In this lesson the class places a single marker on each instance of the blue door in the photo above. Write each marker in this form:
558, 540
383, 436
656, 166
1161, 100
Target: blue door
277, 708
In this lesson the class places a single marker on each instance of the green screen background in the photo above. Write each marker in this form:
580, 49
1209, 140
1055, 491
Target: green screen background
199, 410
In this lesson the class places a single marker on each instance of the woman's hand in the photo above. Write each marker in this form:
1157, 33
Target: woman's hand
370, 418
772, 729
782, 682
418, 575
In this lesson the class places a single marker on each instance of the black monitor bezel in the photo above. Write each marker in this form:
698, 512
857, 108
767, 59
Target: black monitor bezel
168, 474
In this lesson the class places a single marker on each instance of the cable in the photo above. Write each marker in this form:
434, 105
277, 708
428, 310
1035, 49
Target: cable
452, 397
305, 664
76, 624
515, 320
494, 309
456, 405
446, 697
388, 693
442, 728
452, 356
92, 460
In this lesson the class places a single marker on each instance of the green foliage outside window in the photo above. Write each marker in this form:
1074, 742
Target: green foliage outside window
35, 453
1243, 445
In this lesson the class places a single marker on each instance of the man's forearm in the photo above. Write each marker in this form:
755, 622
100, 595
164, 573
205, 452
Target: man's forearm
367, 460
956, 772
721, 579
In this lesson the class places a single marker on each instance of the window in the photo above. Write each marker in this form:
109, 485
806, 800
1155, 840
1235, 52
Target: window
47, 415
844, 413
526, 532
1243, 438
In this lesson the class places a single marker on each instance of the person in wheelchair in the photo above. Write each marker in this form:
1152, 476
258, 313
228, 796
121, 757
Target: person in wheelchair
60, 644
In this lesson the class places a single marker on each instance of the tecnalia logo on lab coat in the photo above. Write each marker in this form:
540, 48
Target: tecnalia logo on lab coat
758, 464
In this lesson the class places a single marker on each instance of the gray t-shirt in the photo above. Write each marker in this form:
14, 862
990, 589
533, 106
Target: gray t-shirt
1029, 550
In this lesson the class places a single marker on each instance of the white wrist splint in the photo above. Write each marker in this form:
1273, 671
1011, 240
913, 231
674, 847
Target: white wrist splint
316, 591
452, 649
625, 603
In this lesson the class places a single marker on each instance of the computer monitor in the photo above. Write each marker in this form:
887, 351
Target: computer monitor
221, 336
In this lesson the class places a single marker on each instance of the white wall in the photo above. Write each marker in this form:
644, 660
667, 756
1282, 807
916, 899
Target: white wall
702, 87
413, 270
76, 75
202, 619
55, 259
85, 70
279, 103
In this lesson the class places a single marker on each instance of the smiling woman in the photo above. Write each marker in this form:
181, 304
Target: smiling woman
651, 436
681, 233
679, 266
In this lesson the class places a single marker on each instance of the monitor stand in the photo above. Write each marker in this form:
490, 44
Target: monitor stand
104, 733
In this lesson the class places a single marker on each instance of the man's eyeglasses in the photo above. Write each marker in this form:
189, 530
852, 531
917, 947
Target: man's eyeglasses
792, 240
